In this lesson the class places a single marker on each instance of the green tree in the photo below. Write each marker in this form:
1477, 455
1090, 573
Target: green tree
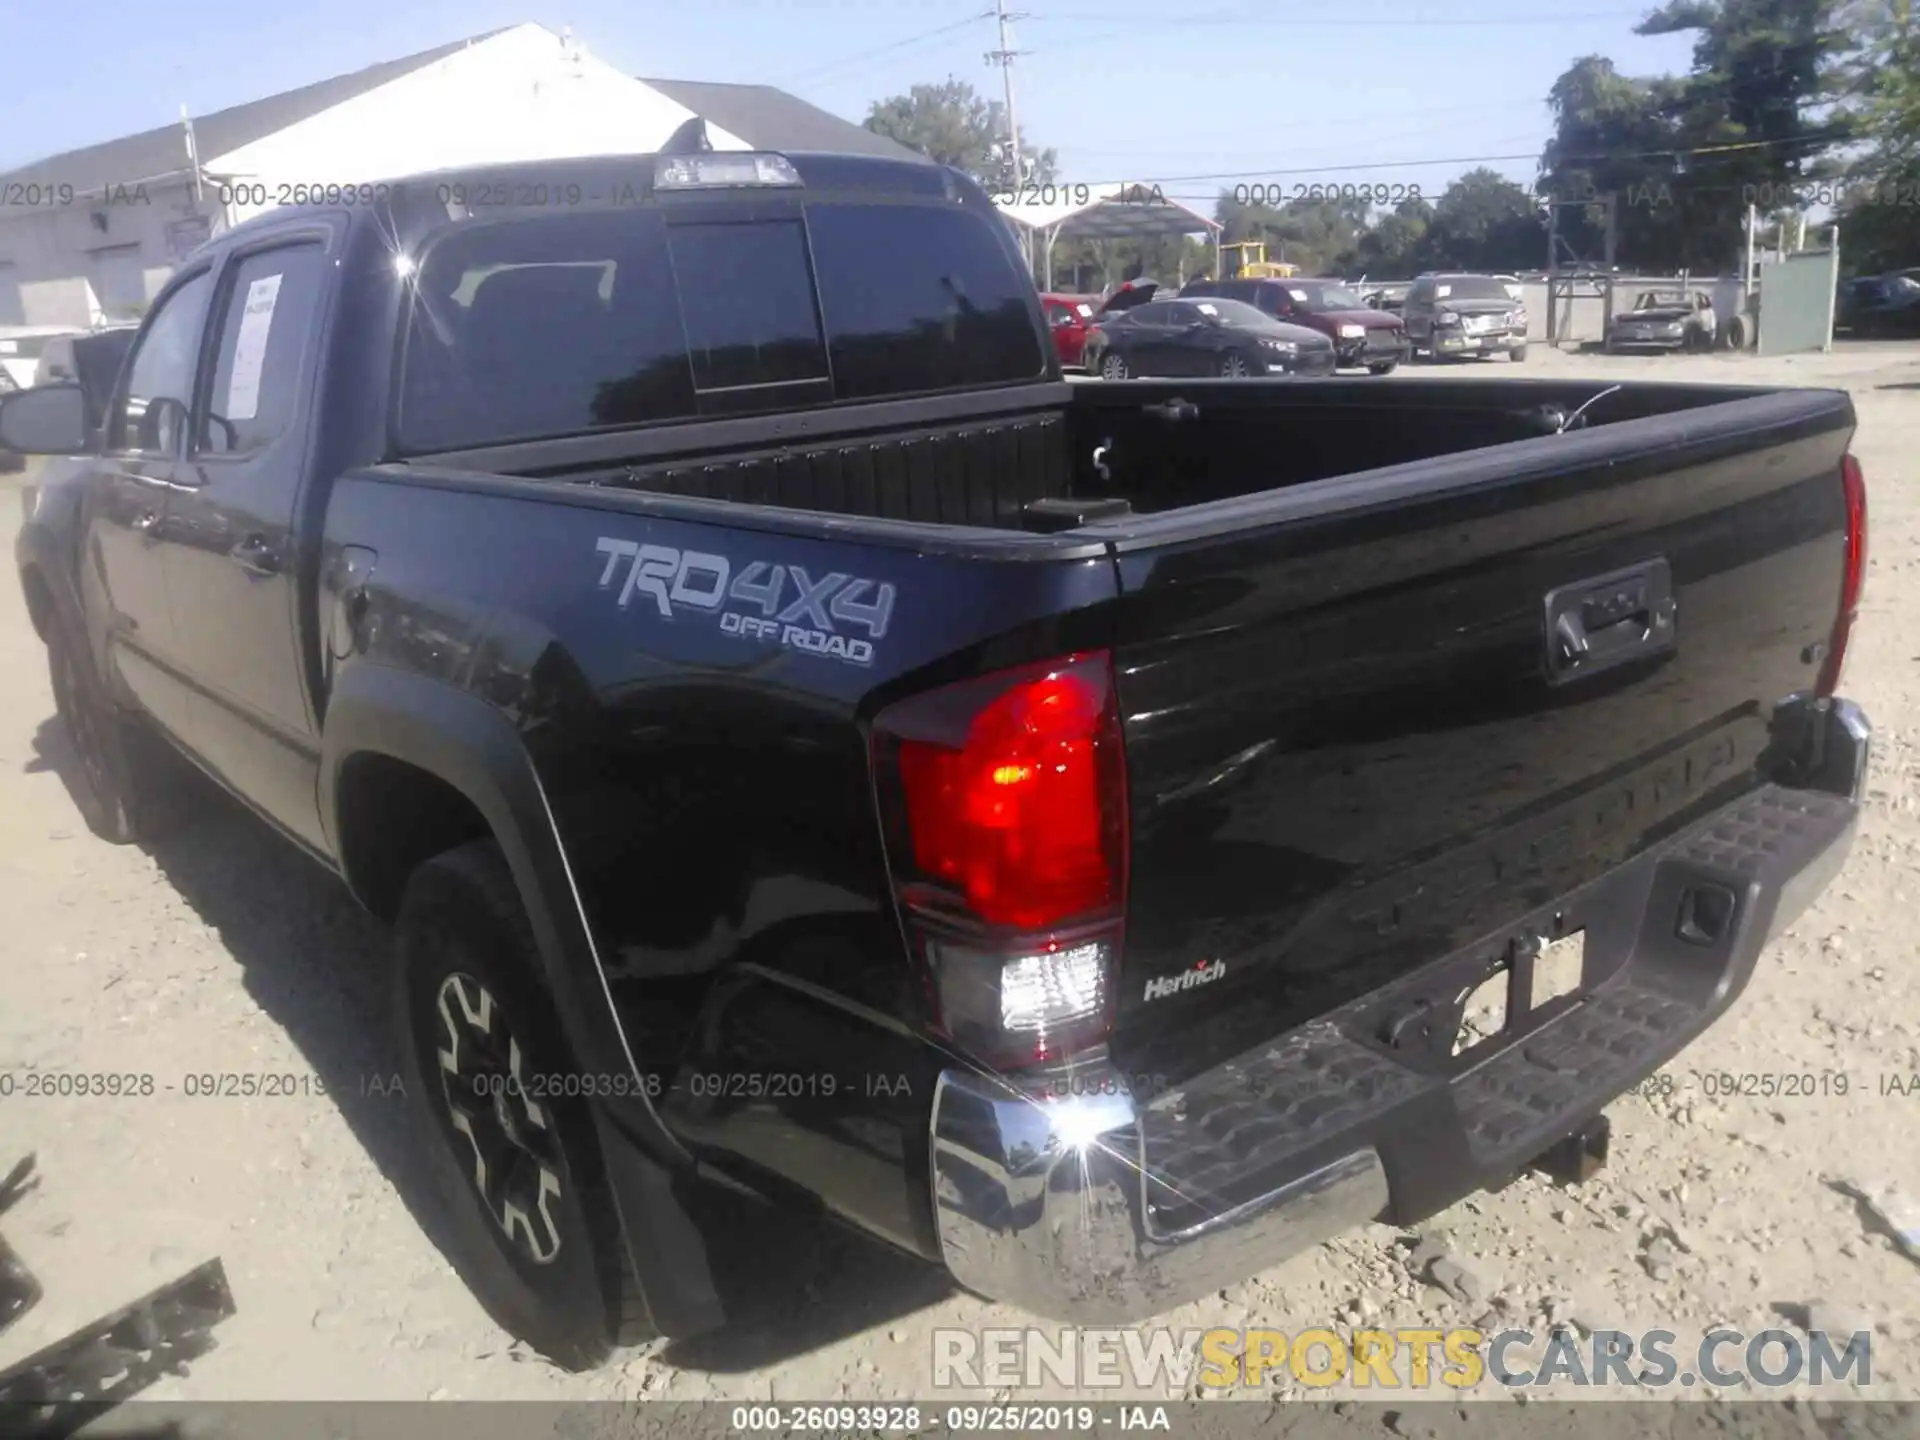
956, 125
1756, 115
1880, 226
1484, 221
1317, 235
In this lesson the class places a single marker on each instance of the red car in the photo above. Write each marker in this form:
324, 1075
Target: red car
1069, 317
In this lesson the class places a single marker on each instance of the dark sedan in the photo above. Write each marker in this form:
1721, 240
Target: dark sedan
1203, 337
1362, 337
1880, 305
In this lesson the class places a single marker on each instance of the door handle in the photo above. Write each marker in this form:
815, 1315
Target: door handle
146, 522
255, 556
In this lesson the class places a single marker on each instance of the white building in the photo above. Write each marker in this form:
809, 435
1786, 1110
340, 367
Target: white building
100, 229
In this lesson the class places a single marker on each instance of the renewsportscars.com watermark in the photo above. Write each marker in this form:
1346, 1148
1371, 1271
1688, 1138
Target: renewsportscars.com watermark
1400, 1359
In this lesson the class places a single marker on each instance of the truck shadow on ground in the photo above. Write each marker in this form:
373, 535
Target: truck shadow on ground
317, 965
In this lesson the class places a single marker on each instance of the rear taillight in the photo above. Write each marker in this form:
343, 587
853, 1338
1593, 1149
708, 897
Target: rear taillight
1852, 576
1005, 804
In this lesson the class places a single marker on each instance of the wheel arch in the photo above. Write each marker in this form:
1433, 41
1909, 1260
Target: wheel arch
40, 602
393, 738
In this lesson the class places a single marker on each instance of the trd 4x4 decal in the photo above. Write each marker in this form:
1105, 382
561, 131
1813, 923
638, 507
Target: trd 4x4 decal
775, 604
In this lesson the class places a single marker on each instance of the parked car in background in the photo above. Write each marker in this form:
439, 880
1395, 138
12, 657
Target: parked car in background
1068, 317
91, 361
1361, 335
1204, 337
1129, 293
1467, 315
10, 463
21, 347
1880, 305
1664, 320
1386, 297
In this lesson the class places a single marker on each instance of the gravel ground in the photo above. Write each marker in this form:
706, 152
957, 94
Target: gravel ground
225, 951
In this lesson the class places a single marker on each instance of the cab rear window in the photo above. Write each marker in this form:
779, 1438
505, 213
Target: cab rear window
535, 328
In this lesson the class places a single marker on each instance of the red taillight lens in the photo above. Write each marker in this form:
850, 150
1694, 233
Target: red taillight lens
1012, 818
1005, 799
1852, 576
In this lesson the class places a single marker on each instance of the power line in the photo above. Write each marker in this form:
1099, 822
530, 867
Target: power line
1201, 140
1671, 154
1212, 18
911, 40
1227, 17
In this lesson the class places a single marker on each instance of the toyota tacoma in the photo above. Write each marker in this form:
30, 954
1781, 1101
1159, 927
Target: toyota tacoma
805, 746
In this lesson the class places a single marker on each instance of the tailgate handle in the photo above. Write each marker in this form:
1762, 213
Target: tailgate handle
1611, 619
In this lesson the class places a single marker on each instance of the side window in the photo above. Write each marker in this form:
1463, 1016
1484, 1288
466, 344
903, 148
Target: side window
265, 334
748, 300
1421, 293
150, 414
920, 297
1151, 314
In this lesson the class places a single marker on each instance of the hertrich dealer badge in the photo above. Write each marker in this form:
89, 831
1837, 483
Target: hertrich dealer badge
775, 604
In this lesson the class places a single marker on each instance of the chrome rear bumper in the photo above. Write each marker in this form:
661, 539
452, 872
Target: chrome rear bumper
1039, 1198
1098, 1206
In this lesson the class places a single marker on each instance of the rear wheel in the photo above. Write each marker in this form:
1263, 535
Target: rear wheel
126, 775
1233, 366
1386, 368
1113, 367
512, 1156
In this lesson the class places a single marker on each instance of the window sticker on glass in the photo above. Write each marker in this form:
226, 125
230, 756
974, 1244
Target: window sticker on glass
1084, 308
1207, 310
250, 348
1298, 294
1440, 292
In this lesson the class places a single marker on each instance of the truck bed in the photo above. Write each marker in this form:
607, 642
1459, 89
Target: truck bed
1164, 444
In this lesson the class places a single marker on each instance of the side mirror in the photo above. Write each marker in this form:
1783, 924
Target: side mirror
46, 420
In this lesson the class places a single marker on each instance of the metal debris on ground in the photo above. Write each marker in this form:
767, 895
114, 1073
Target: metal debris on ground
54, 1392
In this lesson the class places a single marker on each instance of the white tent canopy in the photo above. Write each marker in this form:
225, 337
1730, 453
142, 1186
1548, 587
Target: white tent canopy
1122, 210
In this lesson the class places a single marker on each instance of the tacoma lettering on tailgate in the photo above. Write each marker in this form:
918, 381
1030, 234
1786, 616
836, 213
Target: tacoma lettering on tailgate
773, 604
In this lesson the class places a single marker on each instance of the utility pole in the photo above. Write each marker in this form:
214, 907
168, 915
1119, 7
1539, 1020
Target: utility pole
1003, 57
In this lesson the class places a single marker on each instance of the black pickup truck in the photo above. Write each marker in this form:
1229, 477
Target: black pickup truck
804, 745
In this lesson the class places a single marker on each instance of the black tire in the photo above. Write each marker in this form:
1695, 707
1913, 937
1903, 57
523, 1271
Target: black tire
1517, 354
542, 1253
126, 786
1113, 366
1386, 369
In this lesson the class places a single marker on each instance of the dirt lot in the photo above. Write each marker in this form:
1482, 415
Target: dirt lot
223, 951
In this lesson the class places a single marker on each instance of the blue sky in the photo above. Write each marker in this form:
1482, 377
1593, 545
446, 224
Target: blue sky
1262, 90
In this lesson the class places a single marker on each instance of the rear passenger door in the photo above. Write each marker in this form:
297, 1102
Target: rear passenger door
1190, 342
229, 553
1146, 342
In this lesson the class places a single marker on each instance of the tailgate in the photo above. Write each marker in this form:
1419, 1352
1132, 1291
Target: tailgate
1372, 719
